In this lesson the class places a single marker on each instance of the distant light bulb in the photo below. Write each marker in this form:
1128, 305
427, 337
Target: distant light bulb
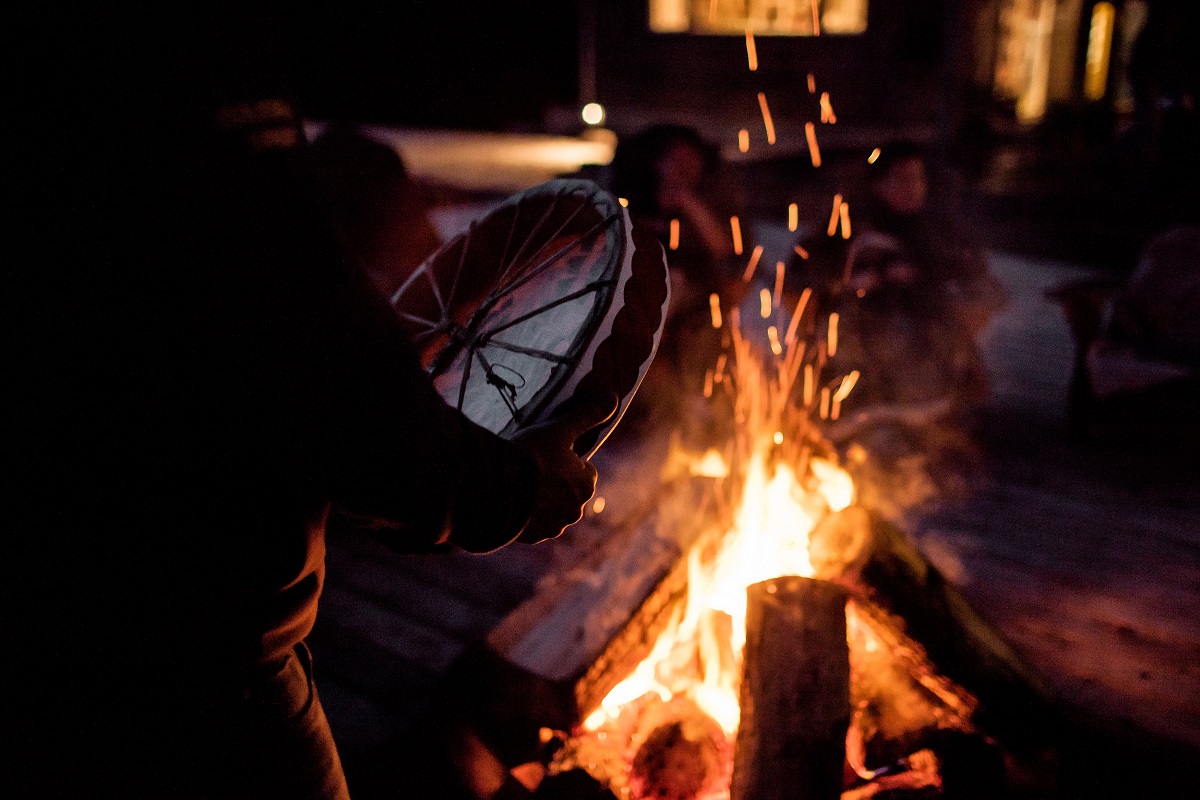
593, 113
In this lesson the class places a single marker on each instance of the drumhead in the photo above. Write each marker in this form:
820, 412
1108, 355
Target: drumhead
550, 296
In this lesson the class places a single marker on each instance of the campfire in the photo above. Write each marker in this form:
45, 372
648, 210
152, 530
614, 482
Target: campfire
775, 648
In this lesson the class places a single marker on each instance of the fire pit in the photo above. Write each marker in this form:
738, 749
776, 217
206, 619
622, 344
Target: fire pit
774, 651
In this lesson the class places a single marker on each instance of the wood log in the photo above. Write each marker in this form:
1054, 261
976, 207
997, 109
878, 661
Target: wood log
874, 558
795, 694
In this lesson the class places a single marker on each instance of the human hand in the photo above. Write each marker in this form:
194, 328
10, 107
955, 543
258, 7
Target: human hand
565, 481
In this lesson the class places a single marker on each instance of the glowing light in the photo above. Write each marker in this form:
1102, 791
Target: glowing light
834, 216
744, 140
624, 203
827, 114
814, 152
764, 303
773, 337
793, 216
832, 341
1099, 49
875, 154
751, 52
592, 113
846, 386
598, 505
844, 213
710, 465
778, 437
673, 242
736, 226
797, 315
800, 251
714, 305
766, 115
754, 257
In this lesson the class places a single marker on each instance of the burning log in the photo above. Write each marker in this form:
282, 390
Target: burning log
874, 558
795, 694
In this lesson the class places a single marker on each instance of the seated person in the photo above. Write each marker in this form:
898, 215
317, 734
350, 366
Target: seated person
669, 172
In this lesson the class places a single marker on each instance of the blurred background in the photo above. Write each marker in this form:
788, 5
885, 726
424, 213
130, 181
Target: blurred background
1059, 140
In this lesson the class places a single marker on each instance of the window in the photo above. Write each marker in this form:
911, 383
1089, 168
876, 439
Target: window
778, 17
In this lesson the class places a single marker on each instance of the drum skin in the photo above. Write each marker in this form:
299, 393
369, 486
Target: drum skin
550, 296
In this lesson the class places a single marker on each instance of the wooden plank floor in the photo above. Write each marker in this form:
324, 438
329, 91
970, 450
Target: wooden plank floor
1088, 559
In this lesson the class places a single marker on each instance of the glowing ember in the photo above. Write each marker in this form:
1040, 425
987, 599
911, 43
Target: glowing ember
812, 84
674, 240
844, 213
875, 154
776, 347
814, 152
751, 52
735, 226
754, 257
780, 273
800, 251
714, 305
766, 115
764, 302
624, 203
827, 115
834, 215
832, 339
744, 140
793, 216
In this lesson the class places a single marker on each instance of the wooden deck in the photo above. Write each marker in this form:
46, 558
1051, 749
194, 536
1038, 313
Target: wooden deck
1087, 558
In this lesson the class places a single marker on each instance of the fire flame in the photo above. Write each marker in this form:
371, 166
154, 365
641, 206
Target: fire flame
784, 492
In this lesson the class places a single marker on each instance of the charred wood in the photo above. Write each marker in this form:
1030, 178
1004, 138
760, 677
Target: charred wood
795, 694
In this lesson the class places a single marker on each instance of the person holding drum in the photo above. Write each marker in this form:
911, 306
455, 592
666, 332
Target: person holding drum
197, 379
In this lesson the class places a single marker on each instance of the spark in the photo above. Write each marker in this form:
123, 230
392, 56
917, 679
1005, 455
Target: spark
624, 203
714, 305
764, 302
827, 114
773, 336
846, 386
751, 51
793, 216
674, 242
598, 506
875, 154
736, 226
809, 384
844, 213
801, 304
766, 115
814, 152
816, 19
832, 341
812, 84
744, 140
833, 216
754, 257
800, 251
778, 437
780, 271
708, 383
825, 397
